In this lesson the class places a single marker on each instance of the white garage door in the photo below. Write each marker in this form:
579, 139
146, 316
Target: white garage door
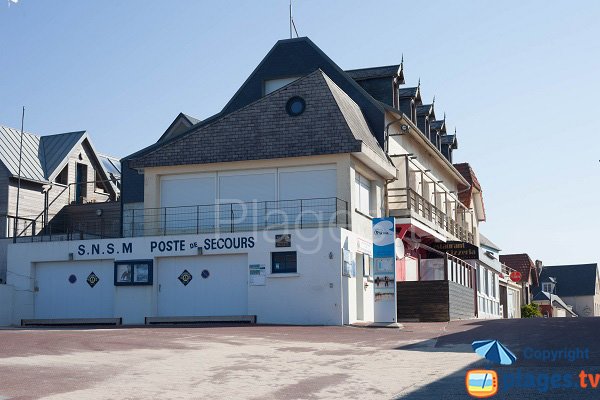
63, 290
190, 200
307, 184
222, 291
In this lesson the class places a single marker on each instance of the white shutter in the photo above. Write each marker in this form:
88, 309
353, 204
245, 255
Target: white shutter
314, 184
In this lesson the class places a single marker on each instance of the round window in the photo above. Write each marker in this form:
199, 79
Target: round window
295, 106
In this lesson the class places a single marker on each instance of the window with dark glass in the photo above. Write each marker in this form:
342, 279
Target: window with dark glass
284, 262
135, 272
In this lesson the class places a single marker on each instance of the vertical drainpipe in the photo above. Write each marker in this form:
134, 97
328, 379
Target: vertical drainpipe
407, 184
474, 283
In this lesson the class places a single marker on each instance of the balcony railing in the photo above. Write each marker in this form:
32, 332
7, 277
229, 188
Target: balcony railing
198, 219
408, 199
236, 217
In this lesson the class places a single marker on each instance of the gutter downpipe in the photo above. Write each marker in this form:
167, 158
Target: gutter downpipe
386, 146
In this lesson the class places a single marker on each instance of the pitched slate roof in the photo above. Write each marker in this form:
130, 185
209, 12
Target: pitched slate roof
572, 280
449, 139
465, 194
522, 263
438, 125
408, 92
332, 123
300, 57
56, 148
192, 120
42, 156
484, 241
554, 300
425, 109
375, 72
31, 160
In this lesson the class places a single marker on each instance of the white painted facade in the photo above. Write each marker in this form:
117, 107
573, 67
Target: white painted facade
317, 294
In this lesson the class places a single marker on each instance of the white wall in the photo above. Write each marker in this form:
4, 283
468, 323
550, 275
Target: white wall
6, 304
312, 296
355, 284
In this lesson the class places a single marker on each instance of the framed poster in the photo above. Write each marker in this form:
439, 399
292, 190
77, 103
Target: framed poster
141, 273
123, 273
134, 272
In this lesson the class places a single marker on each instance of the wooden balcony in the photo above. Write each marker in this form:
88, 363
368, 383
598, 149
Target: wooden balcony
405, 202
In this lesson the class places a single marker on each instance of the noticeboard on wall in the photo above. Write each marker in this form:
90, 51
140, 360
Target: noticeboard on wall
134, 272
284, 240
258, 275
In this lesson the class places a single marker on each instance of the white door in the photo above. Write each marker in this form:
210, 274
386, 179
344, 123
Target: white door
62, 290
360, 287
218, 286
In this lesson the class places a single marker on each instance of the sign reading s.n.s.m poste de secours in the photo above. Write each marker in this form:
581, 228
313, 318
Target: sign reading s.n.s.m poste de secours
149, 247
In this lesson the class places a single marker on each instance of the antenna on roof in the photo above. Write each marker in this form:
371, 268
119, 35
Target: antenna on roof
292, 24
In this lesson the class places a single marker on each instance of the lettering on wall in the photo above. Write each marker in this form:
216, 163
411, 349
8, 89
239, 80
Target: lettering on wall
177, 246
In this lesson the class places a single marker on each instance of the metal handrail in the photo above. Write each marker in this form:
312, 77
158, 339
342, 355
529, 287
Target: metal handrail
414, 201
197, 219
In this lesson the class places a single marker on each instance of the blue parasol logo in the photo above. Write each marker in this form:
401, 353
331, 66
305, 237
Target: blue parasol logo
494, 351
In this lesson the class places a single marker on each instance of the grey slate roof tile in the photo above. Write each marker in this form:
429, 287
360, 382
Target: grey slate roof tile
332, 123
572, 280
425, 109
408, 92
374, 72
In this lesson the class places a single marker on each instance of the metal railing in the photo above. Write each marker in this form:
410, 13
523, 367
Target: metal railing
198, 219
408, 199
42, 223
235, 217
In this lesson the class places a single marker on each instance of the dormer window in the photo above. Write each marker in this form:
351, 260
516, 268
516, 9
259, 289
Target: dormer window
548, 287
272, 85
413, 111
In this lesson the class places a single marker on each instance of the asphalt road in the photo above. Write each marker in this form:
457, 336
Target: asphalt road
420, 361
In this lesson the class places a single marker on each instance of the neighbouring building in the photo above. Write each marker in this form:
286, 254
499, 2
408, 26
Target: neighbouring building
56, 171
523, 264
576, 285
266, 209
552, 306
509, 291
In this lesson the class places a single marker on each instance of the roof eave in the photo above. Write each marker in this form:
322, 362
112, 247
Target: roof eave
371, 159
427, 142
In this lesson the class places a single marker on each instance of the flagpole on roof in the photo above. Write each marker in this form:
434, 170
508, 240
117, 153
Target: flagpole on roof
19, 178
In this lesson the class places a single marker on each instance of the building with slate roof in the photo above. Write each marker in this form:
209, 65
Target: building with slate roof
552, 306
266, 210
577, 285
527, 268
51, 168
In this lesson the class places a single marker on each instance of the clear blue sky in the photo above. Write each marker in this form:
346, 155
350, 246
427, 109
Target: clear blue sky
519, 79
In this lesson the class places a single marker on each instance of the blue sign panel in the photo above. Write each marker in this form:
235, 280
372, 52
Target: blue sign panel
383, 237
